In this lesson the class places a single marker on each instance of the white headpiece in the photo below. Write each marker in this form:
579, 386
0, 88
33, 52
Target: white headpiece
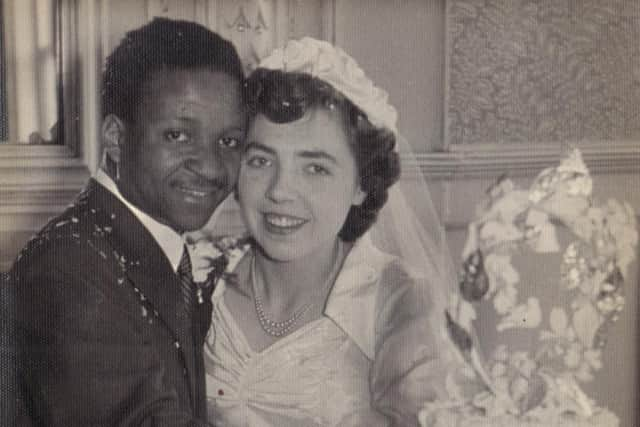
332, 65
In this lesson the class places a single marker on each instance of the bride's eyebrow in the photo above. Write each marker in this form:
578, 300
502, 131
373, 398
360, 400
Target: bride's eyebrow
307, 154
253, 145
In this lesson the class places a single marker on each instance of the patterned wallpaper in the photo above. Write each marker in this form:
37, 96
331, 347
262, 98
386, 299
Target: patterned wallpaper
543, 71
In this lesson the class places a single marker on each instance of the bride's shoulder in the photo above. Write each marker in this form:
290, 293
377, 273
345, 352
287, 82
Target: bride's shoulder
402, 292
397, 279
387, 272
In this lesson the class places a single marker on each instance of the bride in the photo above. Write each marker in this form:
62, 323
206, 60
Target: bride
334, 316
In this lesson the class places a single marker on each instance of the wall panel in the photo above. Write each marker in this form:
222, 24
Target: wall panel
400, 44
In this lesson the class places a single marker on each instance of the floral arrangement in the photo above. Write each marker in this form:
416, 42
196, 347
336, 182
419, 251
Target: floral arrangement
536, 381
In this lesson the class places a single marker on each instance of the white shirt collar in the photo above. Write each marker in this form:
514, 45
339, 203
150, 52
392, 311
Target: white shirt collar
352, 301
171, 243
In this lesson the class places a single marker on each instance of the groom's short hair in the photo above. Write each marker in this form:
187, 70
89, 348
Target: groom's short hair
163, 44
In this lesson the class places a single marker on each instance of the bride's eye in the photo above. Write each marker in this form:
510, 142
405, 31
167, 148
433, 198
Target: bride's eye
315, 169
258, 162
174, 135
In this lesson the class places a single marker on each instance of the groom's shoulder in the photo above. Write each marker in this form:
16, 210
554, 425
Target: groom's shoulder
71, 240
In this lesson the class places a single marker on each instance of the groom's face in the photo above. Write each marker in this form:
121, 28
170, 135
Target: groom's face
180, 159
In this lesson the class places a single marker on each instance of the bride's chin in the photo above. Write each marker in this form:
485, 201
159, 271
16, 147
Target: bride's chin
279, 252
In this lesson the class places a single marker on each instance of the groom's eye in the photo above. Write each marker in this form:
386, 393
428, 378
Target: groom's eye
174, 135
229, 142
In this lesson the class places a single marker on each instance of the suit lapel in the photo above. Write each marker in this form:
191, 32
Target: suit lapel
147, 268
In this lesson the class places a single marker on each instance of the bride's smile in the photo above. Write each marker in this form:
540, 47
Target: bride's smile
282, 223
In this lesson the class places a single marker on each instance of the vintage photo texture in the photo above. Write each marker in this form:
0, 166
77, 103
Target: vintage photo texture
482, 87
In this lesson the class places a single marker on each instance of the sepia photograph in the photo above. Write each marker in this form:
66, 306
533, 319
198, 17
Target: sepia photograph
273, 213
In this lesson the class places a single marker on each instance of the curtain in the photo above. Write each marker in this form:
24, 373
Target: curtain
30, 63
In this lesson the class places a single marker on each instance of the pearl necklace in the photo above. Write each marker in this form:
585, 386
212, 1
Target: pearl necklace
283, 327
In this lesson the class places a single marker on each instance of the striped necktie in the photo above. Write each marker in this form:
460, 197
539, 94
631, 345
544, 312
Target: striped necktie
187, 286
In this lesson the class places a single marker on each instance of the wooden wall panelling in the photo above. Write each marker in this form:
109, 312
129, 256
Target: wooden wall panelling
400, 45
176, 9
251, 26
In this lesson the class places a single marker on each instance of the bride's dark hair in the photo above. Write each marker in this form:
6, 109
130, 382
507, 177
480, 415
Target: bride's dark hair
286, 97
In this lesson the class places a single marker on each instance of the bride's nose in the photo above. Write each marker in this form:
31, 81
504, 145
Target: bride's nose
281, 186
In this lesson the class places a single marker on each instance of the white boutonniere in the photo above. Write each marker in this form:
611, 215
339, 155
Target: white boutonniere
215, 257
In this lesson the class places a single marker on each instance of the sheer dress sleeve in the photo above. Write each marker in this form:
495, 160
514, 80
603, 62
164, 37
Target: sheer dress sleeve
413, 355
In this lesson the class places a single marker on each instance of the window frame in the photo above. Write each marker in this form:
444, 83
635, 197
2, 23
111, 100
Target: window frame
45, 177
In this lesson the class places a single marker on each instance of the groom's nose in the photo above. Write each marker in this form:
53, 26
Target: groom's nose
207, 161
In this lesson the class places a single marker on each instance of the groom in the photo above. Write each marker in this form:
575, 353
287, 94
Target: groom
109, 323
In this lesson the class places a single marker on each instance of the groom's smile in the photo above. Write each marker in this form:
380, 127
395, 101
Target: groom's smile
197, 191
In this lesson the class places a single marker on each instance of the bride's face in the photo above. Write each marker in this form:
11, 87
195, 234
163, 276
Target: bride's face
297, 183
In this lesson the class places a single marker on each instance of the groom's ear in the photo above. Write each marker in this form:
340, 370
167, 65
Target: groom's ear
113, 133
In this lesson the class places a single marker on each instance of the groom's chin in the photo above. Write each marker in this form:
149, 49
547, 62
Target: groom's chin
193, 218
187, 213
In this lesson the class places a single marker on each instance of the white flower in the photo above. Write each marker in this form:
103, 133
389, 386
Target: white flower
495, 405
494, 232
575, 175
202, 254
542, 186
505, 299
610, 303
573, 163
586, 322
331, 64
545, 239
508, 206
500, 271
582, 185
622, 228
519, 388
572, 356
521, 361
525, 316
207, 249
593, 358
558, 321
570, 389
466, 315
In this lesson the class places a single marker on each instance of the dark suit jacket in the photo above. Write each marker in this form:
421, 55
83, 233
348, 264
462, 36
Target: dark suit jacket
100, 338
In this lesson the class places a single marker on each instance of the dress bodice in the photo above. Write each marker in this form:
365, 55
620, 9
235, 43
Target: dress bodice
371, 359
315, 376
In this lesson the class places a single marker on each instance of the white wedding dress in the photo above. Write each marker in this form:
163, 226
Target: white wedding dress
370, 360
